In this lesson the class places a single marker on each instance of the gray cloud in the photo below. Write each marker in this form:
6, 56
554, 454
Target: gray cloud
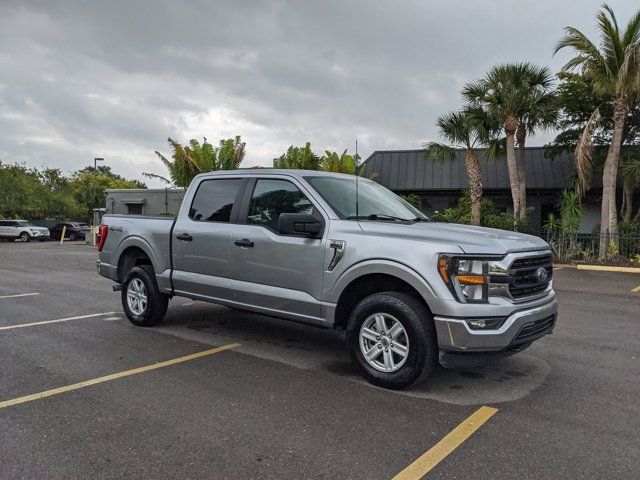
115, 79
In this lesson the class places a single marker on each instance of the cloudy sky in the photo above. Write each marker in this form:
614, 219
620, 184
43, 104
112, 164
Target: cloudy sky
114, 79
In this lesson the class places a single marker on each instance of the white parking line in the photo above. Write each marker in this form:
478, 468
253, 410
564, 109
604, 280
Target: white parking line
19, 295
93, 315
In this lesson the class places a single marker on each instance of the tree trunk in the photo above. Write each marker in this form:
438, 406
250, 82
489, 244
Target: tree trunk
521, 135
609, 212
475, 184
510, 126
627, 201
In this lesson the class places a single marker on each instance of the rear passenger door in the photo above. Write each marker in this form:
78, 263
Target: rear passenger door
274, 273
202, 239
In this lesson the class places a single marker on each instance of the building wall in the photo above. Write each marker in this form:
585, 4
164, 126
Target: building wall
148, 201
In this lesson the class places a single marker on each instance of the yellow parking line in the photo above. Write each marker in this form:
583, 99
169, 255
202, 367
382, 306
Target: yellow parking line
113, 376
19, 295
448, 444
637, 289
23, 325
606, 268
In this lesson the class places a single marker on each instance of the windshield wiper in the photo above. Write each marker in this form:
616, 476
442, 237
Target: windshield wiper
381, 217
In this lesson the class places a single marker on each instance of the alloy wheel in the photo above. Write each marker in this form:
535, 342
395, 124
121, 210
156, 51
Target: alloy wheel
137, 296
384, 342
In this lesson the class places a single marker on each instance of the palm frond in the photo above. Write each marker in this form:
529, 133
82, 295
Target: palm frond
439, 152
159, 177
584, 152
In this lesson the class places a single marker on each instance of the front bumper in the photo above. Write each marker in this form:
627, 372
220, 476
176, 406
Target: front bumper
519, 328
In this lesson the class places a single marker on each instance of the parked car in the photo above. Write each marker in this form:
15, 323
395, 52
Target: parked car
74, 231
336, 252
22, 229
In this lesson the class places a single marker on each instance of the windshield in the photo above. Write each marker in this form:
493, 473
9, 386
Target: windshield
374, 200
24, 223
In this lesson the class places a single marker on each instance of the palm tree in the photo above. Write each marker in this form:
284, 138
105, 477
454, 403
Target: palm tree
187, 162
519, 95
468, 129
613, 69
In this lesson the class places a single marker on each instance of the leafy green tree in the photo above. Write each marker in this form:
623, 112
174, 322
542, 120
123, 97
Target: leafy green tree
468, 129
613, 71
89, 186
298, 157
188, 161
230, 154
490, 215
343, 163
520, 96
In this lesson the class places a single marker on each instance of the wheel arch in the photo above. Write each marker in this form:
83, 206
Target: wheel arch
376, 277
132, 255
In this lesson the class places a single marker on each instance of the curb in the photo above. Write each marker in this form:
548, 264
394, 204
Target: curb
605, 268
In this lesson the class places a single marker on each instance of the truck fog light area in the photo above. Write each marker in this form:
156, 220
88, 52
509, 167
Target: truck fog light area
484, 323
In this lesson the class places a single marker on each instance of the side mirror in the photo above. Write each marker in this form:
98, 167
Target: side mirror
303, 224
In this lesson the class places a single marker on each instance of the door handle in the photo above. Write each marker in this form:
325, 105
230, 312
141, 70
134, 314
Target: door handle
245, 242
184, 236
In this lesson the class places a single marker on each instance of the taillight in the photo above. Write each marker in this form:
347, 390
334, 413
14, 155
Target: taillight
103, 231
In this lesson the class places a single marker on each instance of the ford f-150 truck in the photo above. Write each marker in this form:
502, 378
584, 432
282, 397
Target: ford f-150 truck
336, 252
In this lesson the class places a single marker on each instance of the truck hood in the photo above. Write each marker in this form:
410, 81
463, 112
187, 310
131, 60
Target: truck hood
473, 240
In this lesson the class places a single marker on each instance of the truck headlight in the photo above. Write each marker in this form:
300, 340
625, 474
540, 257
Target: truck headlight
466, 277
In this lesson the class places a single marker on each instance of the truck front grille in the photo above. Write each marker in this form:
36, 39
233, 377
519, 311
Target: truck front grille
523, 278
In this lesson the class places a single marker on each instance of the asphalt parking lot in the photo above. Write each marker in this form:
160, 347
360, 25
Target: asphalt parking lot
281, 401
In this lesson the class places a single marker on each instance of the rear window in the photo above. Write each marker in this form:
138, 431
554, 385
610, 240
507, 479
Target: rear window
214, 200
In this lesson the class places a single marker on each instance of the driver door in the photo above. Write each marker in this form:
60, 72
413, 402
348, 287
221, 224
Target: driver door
274, 273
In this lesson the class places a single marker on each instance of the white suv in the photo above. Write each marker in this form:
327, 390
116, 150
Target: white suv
22, 229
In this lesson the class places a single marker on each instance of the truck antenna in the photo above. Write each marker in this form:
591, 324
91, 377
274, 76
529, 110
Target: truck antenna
357, 175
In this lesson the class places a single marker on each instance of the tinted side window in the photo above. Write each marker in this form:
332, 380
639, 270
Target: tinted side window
271, 198
214, 200
4, 224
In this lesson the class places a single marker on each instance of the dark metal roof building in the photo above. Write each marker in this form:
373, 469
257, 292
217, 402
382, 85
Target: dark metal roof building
407, 170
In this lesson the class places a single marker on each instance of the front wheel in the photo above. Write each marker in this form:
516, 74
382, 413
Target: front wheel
24, 237
392, 340
143, 303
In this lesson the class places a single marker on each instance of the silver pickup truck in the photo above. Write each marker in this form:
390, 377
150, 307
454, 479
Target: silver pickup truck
327, 250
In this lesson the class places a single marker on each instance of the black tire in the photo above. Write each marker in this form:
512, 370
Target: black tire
24, 237
157, 302
72, 237
420, 330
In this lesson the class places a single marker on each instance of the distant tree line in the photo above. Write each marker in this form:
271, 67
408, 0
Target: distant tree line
36, 194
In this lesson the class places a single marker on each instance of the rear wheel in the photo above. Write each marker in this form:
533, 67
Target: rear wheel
143, 303
24, 237
72, 236
392, 339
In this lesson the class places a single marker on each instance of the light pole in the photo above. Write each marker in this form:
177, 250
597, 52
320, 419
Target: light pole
95, 175
93, 195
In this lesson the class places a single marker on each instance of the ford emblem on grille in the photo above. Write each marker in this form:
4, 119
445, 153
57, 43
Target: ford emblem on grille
542, 275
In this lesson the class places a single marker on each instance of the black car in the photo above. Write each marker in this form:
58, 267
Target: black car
74, 231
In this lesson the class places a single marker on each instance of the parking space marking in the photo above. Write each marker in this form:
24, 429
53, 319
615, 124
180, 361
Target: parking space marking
637, 289
18, 295
114, 376
81, 317
448, 444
